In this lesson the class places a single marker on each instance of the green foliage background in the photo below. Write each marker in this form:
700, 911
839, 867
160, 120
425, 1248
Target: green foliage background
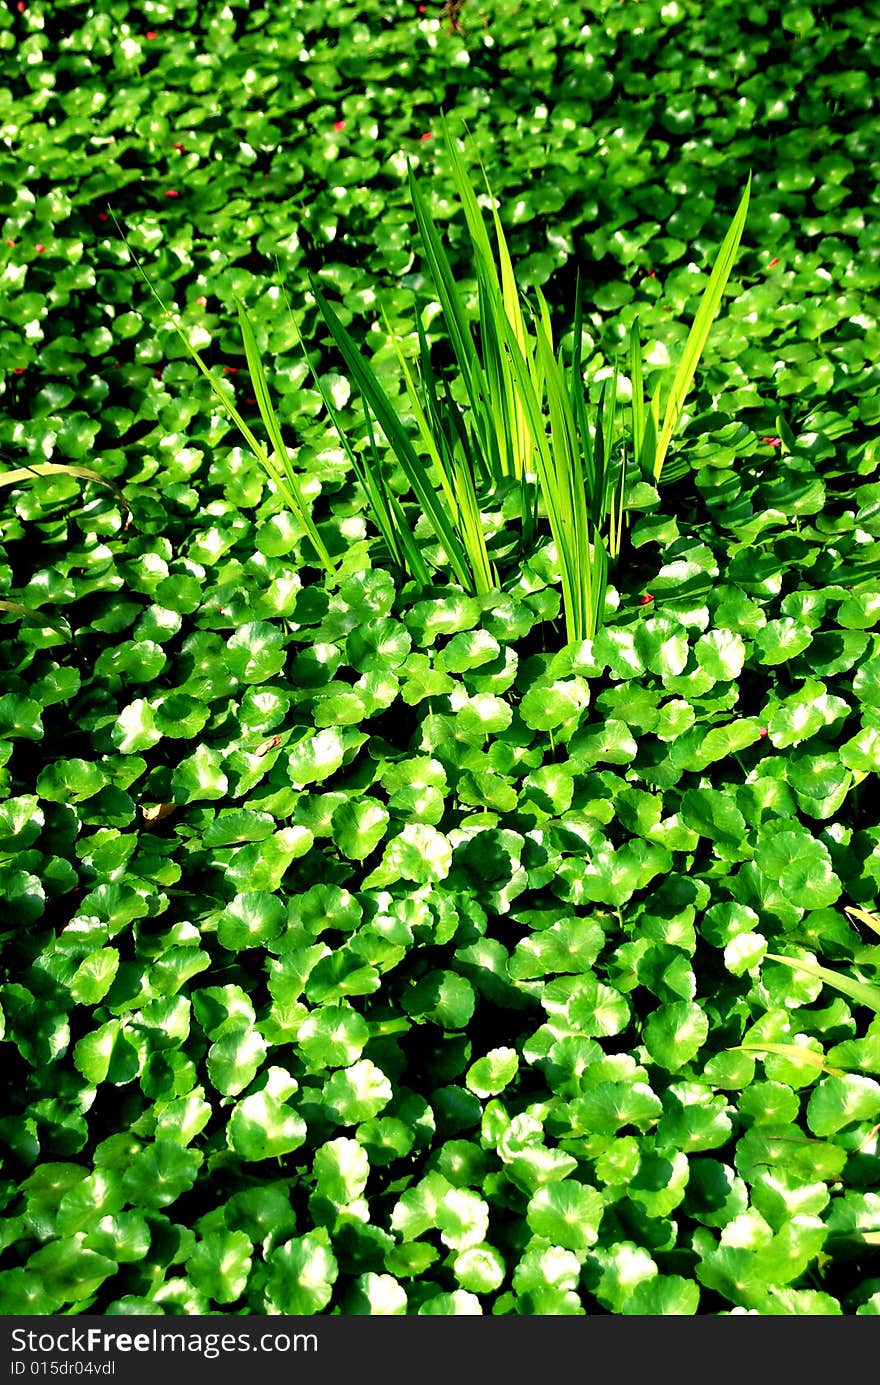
365, 954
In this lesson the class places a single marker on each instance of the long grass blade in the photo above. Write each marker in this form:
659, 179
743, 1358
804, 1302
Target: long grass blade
273, 429
383, 410
859, 991
291, 497
794, 1053
709, 305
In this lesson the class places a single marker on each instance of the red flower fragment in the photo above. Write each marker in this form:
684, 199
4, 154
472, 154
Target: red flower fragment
773, 263
21, 6
230, 370
762, 731
646, 600
102, 216
339, 125
181, 148
151, 34
428, 135
202, 301
171, 192
772, 442
18, 370
40, 249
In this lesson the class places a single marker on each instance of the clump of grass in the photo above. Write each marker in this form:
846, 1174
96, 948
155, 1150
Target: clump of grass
524, 417
516, 417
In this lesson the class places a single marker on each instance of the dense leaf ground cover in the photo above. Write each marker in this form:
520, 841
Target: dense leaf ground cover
373, 950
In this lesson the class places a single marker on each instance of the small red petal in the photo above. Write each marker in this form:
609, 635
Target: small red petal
426, 136
646, 599
423, 9
772, 442
652, 273
762, 731
230, 370
21, 6
158, 374
181, 148
18, 370
102, 216
151, 33
250, 399
10, 242
171, 192
202, 301
40, 249
773, 264
339, 125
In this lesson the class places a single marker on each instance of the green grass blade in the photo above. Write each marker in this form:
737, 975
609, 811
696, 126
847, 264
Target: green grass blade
637, 406
793, 1052
386, 510
709, 305
859, 991
444, 281
273, 429
290, 495
416, 473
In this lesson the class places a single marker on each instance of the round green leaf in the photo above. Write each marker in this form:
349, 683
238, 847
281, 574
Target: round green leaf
256, 652
566, 1214
220, 1264
358, 827
251, 920
158, 1174
301, 1275
332, 1037
840, 1101
547, 707
800, 865
357, 1093
234, 1058
135, 728
341, 1168
780, 640
442, 996
666, 1295
264, 1127
199, 777
721, 653
675, 1033
490, 1074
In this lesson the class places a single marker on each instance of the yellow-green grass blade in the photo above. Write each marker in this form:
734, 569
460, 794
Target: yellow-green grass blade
793, 1052
863, 916
273, 429
709, 305
483, 396
511, 306
561, 478
454, 317
416, 473
84, 473
515, 437
471, 528
291, 498
500, 408
859, 991
423, 424
637, 406
388, 512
